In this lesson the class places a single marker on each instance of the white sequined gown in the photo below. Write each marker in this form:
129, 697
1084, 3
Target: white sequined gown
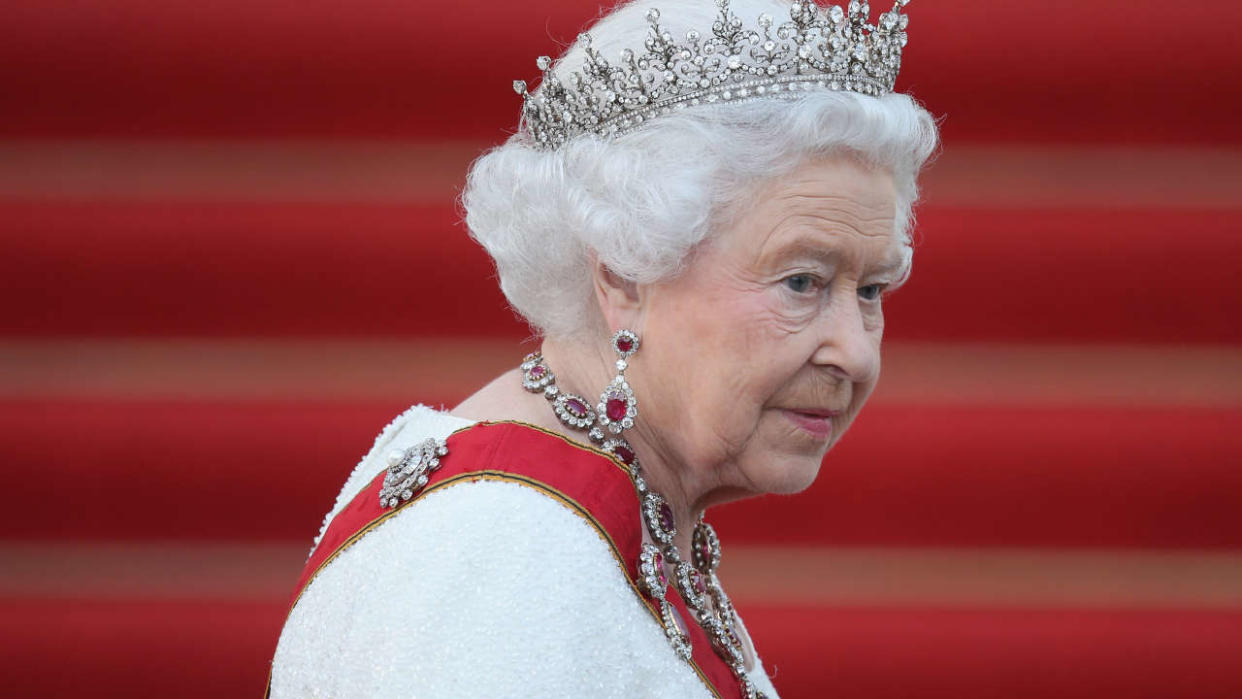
484, 589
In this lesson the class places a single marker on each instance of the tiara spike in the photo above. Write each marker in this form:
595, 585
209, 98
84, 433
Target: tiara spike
817, 48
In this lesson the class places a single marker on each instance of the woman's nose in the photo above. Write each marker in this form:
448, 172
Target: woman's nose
847, 346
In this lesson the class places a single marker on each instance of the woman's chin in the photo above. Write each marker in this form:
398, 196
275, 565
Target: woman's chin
786, 474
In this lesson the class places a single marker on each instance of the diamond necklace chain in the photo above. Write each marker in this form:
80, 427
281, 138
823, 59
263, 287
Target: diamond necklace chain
695, 580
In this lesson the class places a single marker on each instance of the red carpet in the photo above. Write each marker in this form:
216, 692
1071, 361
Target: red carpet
1014, 654
357, 269
1082, 72
143, 648
957, 476
216, 649
1144, 262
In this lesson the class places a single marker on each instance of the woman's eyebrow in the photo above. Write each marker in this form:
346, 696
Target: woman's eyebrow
825, 250
802, 247
890, 263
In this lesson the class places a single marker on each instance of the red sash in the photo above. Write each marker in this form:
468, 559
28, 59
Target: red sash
589, 482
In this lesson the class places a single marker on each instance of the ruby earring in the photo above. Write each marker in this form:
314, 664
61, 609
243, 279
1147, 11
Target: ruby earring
617, 408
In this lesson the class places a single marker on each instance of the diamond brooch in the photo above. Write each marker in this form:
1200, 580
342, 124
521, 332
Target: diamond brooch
409, 469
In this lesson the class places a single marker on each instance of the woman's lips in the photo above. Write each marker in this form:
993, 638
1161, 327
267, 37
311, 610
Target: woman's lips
816, 423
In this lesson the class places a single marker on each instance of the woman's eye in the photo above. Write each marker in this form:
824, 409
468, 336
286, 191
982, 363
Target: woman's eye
800, 283
871, 292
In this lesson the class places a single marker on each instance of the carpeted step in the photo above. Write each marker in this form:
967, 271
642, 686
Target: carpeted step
957, 475
376, 69
264, 269
195, 649
137, 648
170, 269
892, 653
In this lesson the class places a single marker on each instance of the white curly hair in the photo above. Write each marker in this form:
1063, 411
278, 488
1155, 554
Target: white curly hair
642, 202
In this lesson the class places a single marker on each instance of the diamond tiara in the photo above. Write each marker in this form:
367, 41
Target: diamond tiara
827, 48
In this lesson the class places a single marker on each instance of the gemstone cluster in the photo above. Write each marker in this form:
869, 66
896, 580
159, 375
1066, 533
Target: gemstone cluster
409, 470
695, 581
816, 48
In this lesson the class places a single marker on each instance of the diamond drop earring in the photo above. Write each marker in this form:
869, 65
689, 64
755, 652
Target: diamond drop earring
617, 408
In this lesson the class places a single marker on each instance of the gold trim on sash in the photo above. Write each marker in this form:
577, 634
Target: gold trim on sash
503, 476
571, 442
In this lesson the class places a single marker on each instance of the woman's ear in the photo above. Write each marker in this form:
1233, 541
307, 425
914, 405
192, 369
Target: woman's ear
620, 300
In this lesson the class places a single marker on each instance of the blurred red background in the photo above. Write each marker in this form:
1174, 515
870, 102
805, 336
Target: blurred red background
230, 252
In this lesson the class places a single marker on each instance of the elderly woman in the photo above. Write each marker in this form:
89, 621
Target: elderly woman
701, 214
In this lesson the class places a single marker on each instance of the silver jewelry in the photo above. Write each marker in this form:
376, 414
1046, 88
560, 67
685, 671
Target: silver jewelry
409, 469
817, 48
696, 580
572, 410
618, 408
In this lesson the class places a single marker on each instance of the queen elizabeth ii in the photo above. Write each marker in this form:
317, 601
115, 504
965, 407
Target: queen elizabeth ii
701, 213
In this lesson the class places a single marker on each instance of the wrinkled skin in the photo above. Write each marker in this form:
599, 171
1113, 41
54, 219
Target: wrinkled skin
756, 359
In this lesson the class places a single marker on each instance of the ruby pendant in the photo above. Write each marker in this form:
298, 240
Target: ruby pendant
616, 408
666, 517
624, 453
625, 343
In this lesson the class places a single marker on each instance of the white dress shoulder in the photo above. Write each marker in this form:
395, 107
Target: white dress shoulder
481, 589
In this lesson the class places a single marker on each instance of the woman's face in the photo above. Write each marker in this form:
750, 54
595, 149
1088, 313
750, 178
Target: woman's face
756, 359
